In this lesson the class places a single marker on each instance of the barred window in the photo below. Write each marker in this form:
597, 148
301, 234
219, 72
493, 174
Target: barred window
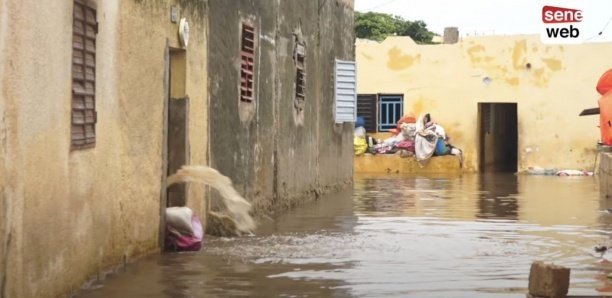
247, 63
83, 114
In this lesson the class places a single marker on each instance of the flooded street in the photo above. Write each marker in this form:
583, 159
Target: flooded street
398, 236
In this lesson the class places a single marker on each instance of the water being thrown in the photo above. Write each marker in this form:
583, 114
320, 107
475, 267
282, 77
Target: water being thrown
238, 220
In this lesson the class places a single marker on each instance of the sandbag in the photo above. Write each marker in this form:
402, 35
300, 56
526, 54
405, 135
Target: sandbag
180, 218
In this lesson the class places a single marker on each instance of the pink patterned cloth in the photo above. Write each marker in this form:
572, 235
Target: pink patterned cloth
407, 145
175, 241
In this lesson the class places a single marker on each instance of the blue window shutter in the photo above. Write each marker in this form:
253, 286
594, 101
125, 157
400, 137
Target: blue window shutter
345, 102
390, 110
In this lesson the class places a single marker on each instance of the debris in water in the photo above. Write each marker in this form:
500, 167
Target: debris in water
222, 225
238, 221
601, 248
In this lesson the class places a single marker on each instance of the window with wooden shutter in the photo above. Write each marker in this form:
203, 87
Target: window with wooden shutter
84, 117
367, 108
300, 78
247, 65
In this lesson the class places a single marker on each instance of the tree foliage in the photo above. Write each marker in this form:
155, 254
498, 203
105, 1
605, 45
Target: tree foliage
377, 26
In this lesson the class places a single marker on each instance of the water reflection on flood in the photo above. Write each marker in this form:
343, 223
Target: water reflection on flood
397, 236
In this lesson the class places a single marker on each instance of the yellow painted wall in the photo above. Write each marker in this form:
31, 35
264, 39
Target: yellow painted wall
67, 215
447, 81
394, 164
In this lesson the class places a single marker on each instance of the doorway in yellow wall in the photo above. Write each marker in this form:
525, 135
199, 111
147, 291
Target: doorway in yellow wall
178, 124
498, 137
175, 145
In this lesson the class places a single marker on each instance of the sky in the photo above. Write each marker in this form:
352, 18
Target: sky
494, 17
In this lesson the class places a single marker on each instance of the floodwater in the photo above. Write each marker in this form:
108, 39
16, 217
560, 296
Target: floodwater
398, 236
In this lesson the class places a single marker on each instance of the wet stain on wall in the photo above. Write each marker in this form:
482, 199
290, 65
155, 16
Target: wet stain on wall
454, 132
518, 54
540, 80
474, 53
553, 64
514, 81
399, 61
422, 105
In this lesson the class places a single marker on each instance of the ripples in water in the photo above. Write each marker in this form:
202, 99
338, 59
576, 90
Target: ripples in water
397, 236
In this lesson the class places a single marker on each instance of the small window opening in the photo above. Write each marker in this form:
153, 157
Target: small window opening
83, 111
247, 65
300, 78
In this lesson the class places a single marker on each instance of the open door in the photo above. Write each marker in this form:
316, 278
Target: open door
176, 144
498, 130
178, 111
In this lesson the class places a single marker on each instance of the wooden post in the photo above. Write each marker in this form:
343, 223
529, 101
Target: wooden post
548, 281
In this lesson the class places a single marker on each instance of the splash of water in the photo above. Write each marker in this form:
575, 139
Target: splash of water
236, 205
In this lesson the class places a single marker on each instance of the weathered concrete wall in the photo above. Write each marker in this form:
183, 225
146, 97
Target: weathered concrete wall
550, 84
277, 157
605, 174
336, 41
69, 214
5, 213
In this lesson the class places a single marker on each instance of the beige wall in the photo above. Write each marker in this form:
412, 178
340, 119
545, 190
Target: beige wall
69, 214
447, 81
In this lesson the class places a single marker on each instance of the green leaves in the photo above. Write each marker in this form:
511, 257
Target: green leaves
377, 26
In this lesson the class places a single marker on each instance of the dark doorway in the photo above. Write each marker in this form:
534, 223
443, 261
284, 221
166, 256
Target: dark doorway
178, 111
498, 130
175, 146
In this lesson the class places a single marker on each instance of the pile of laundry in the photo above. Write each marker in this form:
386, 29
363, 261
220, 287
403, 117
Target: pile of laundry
420, 138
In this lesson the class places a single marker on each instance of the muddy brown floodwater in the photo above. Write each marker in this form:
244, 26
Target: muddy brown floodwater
398, 236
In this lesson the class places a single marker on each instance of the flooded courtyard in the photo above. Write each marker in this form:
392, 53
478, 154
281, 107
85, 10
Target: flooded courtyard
396, 236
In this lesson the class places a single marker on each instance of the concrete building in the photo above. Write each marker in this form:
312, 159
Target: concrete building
100, 100
510, 102
84, 132
280, 145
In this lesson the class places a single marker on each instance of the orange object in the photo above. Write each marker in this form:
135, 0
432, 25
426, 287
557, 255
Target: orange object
604, 87
605, 118
406, 119
605, 82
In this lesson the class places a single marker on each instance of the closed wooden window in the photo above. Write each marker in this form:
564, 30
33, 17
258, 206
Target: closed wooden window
84, 117
247, 65
367, 109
